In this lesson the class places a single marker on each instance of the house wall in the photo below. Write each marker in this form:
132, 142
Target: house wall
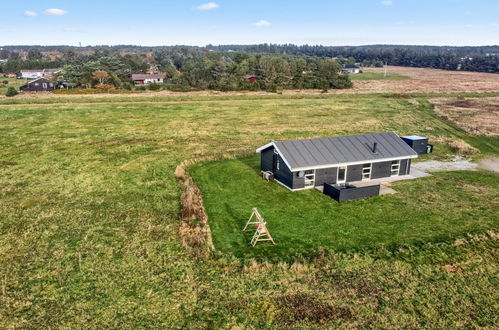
283, 174
325, 175
266, 159
403, 167
381, 170
37, 86
354, 173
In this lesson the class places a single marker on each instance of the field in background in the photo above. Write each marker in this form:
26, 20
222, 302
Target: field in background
370, 75
90, 211
421, 80
478, 116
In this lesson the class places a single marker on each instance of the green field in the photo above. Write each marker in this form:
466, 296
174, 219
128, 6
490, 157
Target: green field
90, 209
12, 82
435, 208
377, 76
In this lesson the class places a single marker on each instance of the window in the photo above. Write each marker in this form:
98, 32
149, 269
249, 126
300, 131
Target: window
277, 164
44, 85
309, 178
342, 174
366, 171
395, 169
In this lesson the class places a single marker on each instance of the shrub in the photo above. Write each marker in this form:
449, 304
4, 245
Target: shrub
11, 91
5, 82
154, 87
140, 88
104, 87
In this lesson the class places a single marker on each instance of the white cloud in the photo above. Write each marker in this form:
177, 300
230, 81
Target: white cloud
208, 6
30, 13
262, 23
55, 12
387, 2
494, 24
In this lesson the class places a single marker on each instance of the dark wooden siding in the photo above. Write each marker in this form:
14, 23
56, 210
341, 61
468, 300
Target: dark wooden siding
266, 159
354, 173
403, 167
381, 170
283, 174
409, 163
325, 175
38, 86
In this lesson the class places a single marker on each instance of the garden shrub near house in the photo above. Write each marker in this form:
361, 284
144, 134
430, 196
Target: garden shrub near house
11, 91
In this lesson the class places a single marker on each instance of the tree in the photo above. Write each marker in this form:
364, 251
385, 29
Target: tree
11, 91
34, 54
100, 76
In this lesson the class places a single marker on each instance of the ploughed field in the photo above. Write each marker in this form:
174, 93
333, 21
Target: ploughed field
90, 209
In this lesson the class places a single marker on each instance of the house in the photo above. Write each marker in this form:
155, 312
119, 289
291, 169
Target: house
250, 78
351, 68
42, 85
145, 79
302, 164
38, 73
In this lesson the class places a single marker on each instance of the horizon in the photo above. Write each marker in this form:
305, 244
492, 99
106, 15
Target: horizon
452, 23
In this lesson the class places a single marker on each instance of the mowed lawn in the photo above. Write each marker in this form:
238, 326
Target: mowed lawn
90, 216
436, 208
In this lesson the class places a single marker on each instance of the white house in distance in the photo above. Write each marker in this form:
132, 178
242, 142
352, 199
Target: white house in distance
145, 79
38, 73
351, 68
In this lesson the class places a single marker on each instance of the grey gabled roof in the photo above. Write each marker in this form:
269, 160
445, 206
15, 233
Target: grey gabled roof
331, 151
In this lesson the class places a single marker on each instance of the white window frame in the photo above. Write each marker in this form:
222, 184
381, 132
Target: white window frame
338, 174
395, 168
309, 178
367, 171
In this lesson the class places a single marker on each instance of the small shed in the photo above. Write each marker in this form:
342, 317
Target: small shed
418, 143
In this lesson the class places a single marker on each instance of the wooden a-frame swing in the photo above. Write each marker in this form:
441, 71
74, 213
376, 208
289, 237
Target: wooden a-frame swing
262, 233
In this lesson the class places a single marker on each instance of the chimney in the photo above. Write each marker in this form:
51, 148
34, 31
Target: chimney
375, 147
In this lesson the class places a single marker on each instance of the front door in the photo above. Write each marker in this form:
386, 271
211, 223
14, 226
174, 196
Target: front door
342, 174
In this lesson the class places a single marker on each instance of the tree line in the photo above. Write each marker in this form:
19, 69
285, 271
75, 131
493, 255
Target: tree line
190, 68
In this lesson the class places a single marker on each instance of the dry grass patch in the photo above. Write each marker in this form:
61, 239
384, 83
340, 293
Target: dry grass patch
457, 145
477, 116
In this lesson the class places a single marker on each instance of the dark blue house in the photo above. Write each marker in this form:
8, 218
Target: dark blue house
302, 164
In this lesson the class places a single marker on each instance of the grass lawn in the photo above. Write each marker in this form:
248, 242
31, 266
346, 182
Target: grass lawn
366, 75
13, 82
89, 220
434, 208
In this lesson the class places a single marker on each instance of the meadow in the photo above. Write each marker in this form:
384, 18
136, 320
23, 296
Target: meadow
11, 82
90, 216
369, 75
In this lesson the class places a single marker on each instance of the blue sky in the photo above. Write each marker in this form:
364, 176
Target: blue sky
172, 22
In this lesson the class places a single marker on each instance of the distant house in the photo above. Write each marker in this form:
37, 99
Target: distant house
38, 73
351, 68
302, 164
250, 78
42, 85
145, 79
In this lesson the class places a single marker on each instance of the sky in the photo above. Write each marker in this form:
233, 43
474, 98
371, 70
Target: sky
188, 22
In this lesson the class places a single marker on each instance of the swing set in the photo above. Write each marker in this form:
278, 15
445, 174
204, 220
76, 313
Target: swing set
262, 233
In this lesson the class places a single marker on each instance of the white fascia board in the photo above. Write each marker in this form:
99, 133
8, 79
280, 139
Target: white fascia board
350, 163
258, 150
